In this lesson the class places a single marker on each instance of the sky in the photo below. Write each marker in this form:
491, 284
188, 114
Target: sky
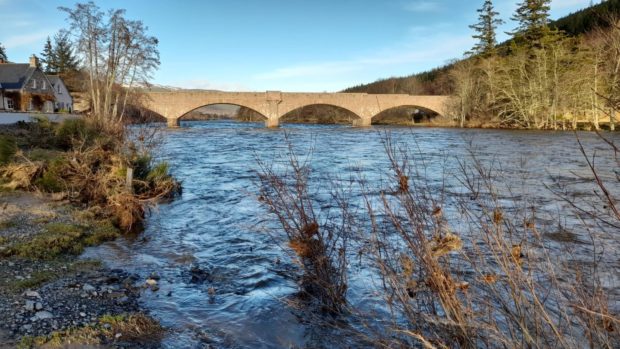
285, 45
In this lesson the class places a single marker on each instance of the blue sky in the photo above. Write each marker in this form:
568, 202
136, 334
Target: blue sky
288, 45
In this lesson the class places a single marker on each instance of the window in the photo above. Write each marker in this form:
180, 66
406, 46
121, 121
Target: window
34, 83
59, 89
43, 85
9, 104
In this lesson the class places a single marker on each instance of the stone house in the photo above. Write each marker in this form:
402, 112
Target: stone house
64, 101
25, 87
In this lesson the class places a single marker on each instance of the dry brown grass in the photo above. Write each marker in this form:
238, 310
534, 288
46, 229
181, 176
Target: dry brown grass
137, 329
90, 170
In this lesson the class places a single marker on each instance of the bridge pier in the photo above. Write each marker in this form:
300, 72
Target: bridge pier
173, 122
274, 98
363, 122
272, 123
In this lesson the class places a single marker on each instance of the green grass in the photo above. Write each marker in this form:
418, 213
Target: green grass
56, 271
8, 224
58, 239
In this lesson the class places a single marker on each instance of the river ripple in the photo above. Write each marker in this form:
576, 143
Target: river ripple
218, 224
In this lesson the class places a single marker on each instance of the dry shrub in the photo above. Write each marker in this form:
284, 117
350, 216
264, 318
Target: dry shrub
92, 170
128, 211
319, 248
20, 175
494, 283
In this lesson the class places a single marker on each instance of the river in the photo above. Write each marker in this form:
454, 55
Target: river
218, 224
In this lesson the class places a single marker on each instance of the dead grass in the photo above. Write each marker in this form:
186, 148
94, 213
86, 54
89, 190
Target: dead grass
89, 168
109, 330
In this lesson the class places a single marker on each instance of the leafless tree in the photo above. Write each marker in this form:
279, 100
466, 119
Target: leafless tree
117, 54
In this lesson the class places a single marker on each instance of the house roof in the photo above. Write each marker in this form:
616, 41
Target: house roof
14, 76
54, 79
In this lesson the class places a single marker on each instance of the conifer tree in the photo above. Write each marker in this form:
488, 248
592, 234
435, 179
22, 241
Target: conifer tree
485, 30
533, 19
48, 59
65, 60
3, 53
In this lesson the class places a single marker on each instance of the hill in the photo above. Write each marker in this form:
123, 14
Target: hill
438, 82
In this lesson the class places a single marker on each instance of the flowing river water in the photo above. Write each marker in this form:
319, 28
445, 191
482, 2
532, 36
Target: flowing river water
219, 226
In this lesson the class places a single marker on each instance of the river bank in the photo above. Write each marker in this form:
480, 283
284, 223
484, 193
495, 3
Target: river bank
47, 293
65, 187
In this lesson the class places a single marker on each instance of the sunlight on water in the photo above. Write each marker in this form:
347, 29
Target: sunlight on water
218, 225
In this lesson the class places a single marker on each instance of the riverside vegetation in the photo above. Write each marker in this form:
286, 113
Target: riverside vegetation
548, 75
467, 269
76, 184
79, 170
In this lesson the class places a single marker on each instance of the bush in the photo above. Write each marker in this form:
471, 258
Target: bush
75, 131
41, 133
141, 165
51, 181
8, 148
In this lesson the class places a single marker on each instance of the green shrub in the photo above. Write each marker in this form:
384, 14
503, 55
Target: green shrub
141, 167
41, 133
158, 172
45, 155
71, 131
8, 148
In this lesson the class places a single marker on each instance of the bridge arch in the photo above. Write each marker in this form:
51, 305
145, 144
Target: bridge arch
188, 114
320, 113
416, 114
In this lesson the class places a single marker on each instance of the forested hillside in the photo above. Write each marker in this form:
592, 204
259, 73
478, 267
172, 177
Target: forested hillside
438, 81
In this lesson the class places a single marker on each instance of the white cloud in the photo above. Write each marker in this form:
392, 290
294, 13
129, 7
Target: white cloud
420, 51
26, 39
422, 6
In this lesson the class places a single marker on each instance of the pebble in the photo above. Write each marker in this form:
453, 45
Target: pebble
30, 305
32, 294
72, 301
42, 315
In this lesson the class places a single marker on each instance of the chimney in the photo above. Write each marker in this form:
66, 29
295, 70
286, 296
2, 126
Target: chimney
34, 61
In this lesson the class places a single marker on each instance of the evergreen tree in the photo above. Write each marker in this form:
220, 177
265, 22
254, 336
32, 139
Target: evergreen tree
64, 57
533, 19
3, 53
485, 30
48, 59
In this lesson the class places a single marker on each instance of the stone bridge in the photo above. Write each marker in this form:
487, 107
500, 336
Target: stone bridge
274, 104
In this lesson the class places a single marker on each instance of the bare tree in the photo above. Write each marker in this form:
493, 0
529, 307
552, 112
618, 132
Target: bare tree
117, 54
